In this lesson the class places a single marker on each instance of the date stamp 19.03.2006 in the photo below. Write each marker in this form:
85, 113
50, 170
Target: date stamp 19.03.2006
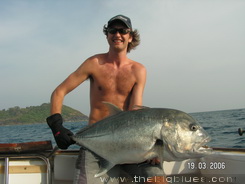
205, 165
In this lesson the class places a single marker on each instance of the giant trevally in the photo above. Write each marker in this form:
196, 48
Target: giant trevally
140, 135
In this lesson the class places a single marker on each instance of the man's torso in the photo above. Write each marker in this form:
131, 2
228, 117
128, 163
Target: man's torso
110, 83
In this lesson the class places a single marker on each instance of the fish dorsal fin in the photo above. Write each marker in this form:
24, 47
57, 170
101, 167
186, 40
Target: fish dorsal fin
139, 107
113, 109
105, 166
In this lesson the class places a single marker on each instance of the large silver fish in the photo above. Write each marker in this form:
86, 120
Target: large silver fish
140, 135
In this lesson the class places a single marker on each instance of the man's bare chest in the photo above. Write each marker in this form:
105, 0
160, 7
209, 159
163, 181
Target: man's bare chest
114, 81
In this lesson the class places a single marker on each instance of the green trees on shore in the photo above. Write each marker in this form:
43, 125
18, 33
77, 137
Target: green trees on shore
37, 114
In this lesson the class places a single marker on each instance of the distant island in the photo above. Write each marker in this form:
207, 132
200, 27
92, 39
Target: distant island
37, 114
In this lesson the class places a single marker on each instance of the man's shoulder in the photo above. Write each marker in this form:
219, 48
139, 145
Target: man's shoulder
96, 57
138, 66
94, 60
139, 70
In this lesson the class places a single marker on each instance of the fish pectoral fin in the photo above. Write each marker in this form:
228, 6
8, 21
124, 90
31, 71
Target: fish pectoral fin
105, 166
156, 152
159, 148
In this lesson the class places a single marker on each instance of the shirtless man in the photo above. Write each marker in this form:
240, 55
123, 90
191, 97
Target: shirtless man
113, 78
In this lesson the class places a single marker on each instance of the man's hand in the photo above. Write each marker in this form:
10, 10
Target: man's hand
61, 134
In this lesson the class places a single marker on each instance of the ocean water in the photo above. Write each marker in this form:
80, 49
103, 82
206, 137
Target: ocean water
222, 126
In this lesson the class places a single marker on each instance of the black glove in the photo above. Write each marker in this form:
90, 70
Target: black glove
61, 134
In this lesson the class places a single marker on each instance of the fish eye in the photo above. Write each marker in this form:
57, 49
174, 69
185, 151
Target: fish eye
193, 127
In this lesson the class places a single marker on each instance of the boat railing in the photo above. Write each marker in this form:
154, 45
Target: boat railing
32, 150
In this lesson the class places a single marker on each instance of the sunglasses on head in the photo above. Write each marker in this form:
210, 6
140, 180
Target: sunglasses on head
122, 31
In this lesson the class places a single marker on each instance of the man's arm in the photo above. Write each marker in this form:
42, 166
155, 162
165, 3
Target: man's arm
138, 89
61, 134
70, 83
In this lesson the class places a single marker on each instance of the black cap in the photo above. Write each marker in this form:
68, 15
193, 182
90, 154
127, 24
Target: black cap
121, 18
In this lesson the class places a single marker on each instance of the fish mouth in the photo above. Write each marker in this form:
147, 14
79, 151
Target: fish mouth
202, 146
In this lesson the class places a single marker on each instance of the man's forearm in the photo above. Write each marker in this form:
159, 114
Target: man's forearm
56, 102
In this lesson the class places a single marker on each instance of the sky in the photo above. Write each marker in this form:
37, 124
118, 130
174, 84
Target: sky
193, 50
